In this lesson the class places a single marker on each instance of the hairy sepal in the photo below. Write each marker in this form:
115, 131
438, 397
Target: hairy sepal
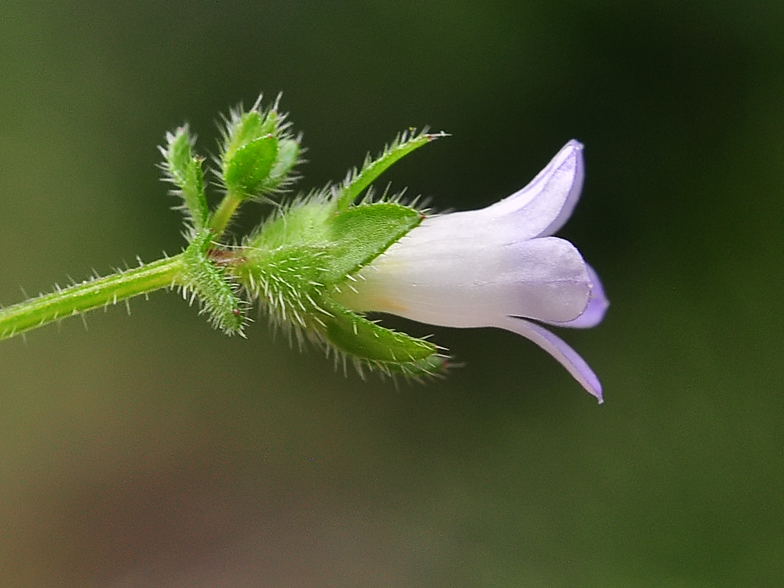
357, 181
378, 348
287, 280
287, 158
249, 168
362, 233
310, 250
296, 262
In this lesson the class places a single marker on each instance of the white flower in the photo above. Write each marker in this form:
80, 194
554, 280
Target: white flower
496, 267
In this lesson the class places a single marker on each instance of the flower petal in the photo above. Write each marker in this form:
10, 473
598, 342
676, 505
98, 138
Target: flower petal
558, 348
546, 203
594, 312
472, 282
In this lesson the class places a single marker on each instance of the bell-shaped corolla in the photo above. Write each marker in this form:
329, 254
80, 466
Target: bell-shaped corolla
495, 267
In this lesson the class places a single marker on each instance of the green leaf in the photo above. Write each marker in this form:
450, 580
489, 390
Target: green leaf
362, 233
184, 170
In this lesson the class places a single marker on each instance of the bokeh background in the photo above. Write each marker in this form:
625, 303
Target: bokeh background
152, 451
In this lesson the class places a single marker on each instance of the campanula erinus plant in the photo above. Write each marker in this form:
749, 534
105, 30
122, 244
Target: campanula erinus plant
321, 261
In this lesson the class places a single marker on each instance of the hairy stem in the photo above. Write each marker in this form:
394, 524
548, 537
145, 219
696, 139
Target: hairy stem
89, 295
222, 215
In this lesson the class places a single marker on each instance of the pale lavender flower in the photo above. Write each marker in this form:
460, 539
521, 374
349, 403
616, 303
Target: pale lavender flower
496, 267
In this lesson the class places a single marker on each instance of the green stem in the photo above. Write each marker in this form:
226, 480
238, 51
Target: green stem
223, 214
97, 293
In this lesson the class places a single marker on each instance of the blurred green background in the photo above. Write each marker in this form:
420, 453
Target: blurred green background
152, 451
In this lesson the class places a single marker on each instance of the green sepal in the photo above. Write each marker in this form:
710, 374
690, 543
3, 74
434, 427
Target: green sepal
303, 223
268, 121
296, 262
357, 181
287, 279
362, 233
345, 242
242, 128
247, 172
287, 158
208, 283
184, 170
380, 348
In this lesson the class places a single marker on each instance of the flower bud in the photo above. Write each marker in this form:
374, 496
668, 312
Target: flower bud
258, 153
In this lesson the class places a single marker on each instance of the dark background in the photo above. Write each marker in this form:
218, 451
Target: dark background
152, 451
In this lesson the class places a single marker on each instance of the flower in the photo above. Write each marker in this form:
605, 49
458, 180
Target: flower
495, 267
